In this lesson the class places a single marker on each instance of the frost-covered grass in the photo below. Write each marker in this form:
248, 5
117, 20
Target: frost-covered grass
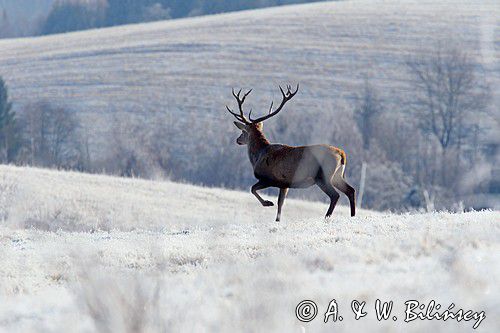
100, 253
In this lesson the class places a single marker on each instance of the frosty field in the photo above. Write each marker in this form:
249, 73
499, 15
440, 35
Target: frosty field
84, 253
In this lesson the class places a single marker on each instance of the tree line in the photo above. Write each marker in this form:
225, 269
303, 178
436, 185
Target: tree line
71, 15
416, 158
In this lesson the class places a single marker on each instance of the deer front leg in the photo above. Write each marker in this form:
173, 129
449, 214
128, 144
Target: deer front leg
260, 186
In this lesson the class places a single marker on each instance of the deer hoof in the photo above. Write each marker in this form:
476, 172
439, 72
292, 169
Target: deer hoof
267, 204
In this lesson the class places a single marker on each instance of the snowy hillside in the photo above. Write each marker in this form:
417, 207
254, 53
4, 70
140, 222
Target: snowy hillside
188, 66
99, 253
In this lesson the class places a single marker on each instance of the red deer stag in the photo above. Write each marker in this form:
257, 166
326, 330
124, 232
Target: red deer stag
285, 167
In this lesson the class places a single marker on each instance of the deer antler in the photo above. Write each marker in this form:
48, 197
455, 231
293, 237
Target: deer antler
240, 117
286, 97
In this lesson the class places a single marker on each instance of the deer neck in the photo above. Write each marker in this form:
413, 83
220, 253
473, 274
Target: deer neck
257, 144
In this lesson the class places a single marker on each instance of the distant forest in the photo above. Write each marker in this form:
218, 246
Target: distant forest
23, 19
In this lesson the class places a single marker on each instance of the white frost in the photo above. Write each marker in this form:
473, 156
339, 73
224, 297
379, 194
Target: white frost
102, 253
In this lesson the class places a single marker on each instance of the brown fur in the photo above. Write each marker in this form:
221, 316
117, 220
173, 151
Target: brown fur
283, 166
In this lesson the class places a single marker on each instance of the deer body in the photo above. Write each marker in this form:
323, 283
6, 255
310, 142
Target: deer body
285, 167
294, 167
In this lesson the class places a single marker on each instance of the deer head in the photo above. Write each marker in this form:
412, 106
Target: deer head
249, 125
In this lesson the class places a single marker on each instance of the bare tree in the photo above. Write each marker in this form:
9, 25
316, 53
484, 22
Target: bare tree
366, 116
448, 95
139, 148
50, 135
9, 138
367, 112
128, 140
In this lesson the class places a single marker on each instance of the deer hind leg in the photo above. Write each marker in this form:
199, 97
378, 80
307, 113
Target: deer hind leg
260, 186
281, 200
329, 190
347, 189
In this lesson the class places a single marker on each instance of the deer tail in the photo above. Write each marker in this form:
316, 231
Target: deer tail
343, 161
342, 170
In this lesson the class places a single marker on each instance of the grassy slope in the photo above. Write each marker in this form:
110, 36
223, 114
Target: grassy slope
189, 65
213, 259
70, 201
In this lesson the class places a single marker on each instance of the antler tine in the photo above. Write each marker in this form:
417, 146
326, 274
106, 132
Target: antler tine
286, 97
282, 92
242, 100
271, 107
237, 116
289, 88
241, 117
234, 94
245, 95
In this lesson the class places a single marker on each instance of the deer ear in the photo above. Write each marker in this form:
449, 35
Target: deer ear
240, 126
